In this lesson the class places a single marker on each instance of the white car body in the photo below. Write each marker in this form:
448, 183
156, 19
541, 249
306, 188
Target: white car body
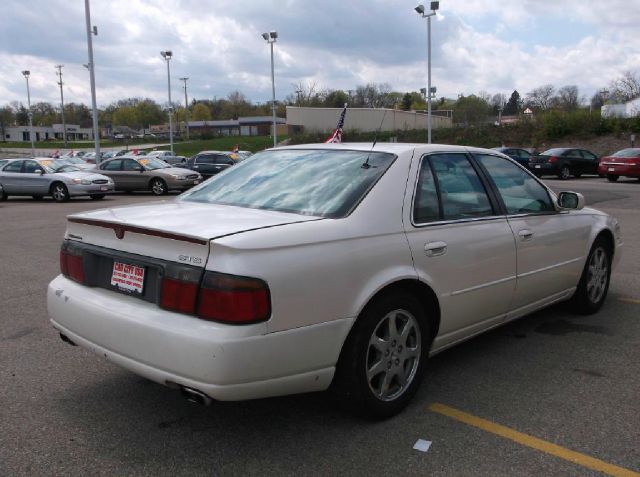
321, 274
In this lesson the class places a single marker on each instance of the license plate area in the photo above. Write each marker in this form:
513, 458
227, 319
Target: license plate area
128, 278
538, 166
611, 169
104, 188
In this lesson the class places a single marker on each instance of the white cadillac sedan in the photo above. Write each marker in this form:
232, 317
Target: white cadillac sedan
308, 266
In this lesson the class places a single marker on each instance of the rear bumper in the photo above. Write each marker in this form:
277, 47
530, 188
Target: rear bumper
619, 170
223, 361
544, 168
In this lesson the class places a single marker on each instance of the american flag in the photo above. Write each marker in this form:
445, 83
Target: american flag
337, 134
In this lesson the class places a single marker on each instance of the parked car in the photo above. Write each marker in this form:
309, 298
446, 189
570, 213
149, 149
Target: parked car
132, 173
625, 162
521, 156
210, 163
160, 154
564, 162
51, 177
314, 264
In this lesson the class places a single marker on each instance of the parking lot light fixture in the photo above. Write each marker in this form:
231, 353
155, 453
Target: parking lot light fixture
167, 56
186, 106
26, 74
270, 38
420, 10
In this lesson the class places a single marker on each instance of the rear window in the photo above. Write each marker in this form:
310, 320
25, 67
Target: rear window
324, 183
553, 152
628, 153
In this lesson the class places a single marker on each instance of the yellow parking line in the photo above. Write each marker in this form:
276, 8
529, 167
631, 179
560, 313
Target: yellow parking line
533, 442
629, 300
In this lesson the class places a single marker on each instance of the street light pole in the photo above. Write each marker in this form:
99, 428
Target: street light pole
422, 12
167, 56
92, 77
26, 74
186, 106
271, 39
64, 126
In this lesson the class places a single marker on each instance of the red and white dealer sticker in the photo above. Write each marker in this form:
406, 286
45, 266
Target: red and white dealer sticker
127, 277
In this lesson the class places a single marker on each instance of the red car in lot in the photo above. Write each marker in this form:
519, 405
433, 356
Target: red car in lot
625, 162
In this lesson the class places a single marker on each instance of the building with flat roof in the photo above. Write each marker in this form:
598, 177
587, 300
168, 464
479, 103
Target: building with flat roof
48, 133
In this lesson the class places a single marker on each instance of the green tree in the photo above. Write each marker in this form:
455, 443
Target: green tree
200, 112
471, 110
6, 119
514, 104
125, 116
406, 102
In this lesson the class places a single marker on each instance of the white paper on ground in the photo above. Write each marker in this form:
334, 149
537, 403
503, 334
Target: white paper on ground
422, 445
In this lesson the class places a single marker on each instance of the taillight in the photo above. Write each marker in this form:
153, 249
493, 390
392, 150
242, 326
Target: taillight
71, 262
179, 288
233, 299
553, 159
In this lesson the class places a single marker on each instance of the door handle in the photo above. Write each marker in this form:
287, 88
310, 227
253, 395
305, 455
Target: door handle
433, 249
525, 235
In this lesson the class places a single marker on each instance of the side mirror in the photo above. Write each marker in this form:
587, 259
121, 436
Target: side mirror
141, 169
40, 171
571, 200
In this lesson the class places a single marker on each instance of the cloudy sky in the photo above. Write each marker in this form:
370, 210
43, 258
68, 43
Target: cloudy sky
490, 45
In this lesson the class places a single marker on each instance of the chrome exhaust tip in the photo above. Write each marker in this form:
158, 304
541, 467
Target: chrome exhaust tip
195, 396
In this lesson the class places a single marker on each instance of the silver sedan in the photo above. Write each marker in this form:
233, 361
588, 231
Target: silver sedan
50, 177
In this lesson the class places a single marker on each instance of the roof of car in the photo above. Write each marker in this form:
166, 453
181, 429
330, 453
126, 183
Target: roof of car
392, 147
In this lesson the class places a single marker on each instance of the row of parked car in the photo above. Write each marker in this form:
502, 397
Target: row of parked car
71, 176
565, 162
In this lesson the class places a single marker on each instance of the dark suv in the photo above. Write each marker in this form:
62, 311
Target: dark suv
564, 162
209, 163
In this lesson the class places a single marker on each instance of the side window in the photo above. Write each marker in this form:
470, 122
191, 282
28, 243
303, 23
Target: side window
205, 159
461, 192
15, 166
130, 165
30, 167
111, 165
523, 154
520, 192
425, 203
588, 155
222, 159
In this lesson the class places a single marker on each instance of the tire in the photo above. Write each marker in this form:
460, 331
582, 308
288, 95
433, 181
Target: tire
564, 173
612, 178
98, 196
384, 357
158, 187
594, 281
59, 192
3, 196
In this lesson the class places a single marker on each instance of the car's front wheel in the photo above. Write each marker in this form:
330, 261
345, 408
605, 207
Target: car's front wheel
385, 355
159, 187
594, 282
59, 192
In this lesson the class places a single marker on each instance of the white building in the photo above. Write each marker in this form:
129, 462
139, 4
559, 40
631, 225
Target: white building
48, 133
300, 119
630, 109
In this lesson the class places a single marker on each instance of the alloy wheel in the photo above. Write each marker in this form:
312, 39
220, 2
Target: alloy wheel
158, 187
393, 355
597, 275
60, 193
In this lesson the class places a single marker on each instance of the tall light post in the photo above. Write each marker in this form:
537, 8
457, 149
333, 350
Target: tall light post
271, 39
64, 126
26, 74
91, 66
186, 106
167, 56
422, 12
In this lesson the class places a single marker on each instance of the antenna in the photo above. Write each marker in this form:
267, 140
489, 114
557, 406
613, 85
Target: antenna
375, 141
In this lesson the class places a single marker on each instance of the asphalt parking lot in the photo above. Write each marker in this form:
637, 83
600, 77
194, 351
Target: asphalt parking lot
550, 394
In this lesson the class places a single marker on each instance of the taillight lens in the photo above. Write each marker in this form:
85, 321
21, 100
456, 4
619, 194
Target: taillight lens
553, 159
178, 296
233, 299
71, 262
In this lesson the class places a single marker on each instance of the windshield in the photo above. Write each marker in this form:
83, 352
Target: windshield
628, 153
152, 163
325, 183
49, 165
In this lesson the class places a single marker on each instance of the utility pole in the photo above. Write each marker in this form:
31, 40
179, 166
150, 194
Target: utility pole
186, 106
64, 126
91, 66
26, 74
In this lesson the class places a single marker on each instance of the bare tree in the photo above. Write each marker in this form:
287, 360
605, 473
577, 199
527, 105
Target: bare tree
306, 93
568, 97
541, 97
627, 87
